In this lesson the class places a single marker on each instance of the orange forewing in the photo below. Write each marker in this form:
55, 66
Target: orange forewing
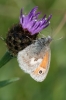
45, 60
44, 63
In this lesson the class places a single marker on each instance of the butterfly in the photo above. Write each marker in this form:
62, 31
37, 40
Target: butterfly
35, 58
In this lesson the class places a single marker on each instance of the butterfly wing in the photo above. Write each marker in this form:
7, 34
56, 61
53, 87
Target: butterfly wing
40, 73
35, 55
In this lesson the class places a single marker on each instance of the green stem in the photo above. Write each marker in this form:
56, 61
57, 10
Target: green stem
6, 58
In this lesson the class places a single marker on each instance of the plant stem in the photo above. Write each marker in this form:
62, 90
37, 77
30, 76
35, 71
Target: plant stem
6, 58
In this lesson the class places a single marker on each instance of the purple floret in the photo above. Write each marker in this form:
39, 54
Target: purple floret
31, 22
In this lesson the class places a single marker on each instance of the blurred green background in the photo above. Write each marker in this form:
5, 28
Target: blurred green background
54, 86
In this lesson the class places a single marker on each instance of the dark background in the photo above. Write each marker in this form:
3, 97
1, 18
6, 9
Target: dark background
54, 86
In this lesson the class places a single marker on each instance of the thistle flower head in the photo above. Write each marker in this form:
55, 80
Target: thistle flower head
25, 32
31, 23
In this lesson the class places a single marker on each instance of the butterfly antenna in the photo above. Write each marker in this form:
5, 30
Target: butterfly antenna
60, 38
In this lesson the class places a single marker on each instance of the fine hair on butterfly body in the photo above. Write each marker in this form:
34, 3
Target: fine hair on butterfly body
35, 58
